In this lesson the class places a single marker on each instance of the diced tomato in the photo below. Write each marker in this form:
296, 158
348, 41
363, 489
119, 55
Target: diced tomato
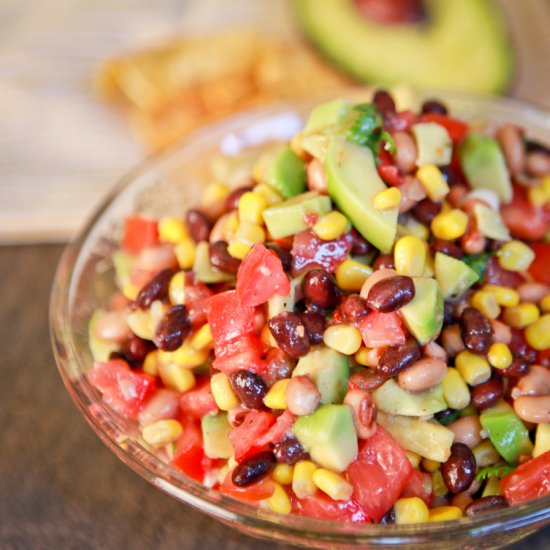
139, 233
528, 481
420, 485
196, 296
309, 251
227, 317
253, 493
525, 220
379, 473
246, 436
540, 268
123, 389
199, 401
321, 506
242, 352
497, 275
278, 431
543, 358
390, 174
382, 329
456, 128
261, 276
189, 453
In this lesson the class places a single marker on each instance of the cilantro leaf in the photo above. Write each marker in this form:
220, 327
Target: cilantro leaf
478, 262
367, 129
498, 470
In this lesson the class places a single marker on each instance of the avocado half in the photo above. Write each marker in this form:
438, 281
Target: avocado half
461, 44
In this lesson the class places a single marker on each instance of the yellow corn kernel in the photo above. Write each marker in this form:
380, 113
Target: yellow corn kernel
185, 356
387, 199
283, 473
455, 389
251, 206
246, 236
350, 275
542, 439
185, 253
214, 192
432, 180
545, 184
223, 393
515, 256
486, 302
521, 316
142, 323
450, 225
334, 485
131, 291
176, 289
162, 432
172, 230
429, 266
418, 229
474, 368
445, 513
331, 226
363, 357
414, 458
302, 479
438, 484
499, 355
202, 338
537, 196
410, 256
430, 465
410, 510
545, 304
492, 487
177, 377
279, 501
485, 454
343, 338
504, 295
151, 363
268, 193
538, 333
275, 398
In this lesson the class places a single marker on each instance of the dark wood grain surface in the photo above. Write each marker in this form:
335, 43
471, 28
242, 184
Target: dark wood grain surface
60, 487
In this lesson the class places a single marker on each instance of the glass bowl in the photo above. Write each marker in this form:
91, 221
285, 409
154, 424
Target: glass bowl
168, 184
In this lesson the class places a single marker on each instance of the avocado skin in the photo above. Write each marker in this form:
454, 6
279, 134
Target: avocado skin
463, 45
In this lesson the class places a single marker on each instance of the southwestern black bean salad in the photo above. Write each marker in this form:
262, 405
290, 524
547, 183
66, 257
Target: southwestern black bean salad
360, 332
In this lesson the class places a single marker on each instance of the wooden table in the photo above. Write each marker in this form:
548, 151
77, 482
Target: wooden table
60, 487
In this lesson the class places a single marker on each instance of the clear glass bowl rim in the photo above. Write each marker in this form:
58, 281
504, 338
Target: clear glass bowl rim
260, 522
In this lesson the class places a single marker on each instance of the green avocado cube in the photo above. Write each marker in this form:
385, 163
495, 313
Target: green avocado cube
453, 276
204, 271
433, 143
101, 349
285, 172
215, 435
326, 115
490, 224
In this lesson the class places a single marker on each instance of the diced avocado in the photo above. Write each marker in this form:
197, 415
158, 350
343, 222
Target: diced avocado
423, 315
204, 271
316, 145
329, 436
285, 172
122, 262
329, 370
426, 438
506, 431
452, 275
288, 218
490, 223
328, 114
215, 435
353, 182
433, 143
459, 44
392, 399
277, 304
101, 349
484, 166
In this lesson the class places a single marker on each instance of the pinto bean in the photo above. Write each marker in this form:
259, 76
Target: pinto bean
422, 375
533, 408
316, 177
363, 409
451, 338
302, 396
537, 164
536, 382
467, 430
434, 350
533, 292
510, 138
407, 153
112, 326
501, 331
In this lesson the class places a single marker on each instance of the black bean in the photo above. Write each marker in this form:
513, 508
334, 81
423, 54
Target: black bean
460, 468
290, 451
447, 247
198, 225
447, 416
519, 367
284, 255
426, 210
137, 348
476, 330
279, 366
389, 517
384, 261
232, 200
290, 334
486, 504
221, 259
383, 102
532, 146
360, 246
155, 289
448, 313
253, 468
368, 380
320, 289
449, 174
395, 358
249, 387
434, 106
391, 293
172, 329
354, 308
487, 393
315, 325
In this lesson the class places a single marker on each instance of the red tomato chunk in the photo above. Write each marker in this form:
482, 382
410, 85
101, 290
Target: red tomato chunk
528, 481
